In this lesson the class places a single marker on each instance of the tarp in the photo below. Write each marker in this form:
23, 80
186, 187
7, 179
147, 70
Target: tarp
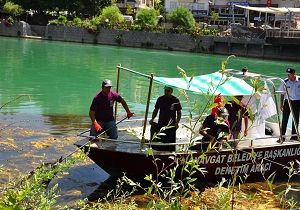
214, 83
272, 10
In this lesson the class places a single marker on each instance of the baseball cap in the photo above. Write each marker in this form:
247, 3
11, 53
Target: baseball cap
167, 87
290, 70
106, 83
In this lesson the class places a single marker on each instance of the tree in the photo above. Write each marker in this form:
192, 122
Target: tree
214, 16
147, 17
111, 14
181, 16
79, 7
12, 9
159, 5
37, 5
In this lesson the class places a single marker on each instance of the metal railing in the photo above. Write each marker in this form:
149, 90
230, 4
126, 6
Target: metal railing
282, 33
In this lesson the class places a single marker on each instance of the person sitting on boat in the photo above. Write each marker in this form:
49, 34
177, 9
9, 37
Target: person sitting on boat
237, 111
215, 129
101, 111
169, 114
292, 84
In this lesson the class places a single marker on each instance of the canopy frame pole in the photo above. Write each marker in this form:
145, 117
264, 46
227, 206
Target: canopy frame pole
147, 107
117, 88
232, 11
277, 108
266, 18
248, 17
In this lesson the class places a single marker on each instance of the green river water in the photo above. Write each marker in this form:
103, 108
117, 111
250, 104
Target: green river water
60, 79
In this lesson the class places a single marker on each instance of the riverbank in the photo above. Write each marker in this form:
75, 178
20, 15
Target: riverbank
85, 180
276, 48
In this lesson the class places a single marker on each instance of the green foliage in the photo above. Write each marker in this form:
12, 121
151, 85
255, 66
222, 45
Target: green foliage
90, 24
181, 16
77, 22
159, 6
29, 192
198, 32
13, 9
80, 7
129, 10
62, 20
147, 17
214, 16
112, 15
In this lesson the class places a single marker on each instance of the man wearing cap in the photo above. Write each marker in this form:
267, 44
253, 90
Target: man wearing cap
214, 129
169, 114
292, 85
101, 111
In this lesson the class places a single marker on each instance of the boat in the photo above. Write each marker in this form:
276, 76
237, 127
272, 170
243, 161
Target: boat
257, 156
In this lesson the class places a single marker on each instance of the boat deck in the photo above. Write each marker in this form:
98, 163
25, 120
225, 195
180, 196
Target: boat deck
130, 141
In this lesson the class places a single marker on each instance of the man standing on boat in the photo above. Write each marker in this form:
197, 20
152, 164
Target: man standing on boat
169, 114
237, 111
292, 84
101, 111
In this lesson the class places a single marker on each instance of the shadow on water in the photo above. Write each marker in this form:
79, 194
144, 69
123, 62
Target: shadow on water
78, 182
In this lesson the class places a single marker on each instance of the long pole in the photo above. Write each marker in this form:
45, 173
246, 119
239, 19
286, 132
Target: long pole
117, 88
92, 138
147, 107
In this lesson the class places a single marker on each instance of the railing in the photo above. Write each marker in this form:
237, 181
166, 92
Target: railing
283, 34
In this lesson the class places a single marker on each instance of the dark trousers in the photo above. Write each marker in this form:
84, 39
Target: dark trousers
170, 137
286, 113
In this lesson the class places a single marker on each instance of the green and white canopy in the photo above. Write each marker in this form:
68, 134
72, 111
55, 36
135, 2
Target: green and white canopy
215, 83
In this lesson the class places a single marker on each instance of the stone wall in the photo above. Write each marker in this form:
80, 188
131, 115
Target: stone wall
17, 29
253, 47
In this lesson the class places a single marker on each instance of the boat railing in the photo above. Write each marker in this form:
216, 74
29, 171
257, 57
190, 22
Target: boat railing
243, 143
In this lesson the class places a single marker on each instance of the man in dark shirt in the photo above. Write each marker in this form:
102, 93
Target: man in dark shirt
237, 111
215, 128
101, 111
169, 114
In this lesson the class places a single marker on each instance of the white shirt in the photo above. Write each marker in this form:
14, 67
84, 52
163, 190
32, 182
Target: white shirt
293, 88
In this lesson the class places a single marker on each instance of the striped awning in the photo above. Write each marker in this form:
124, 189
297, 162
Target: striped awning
215, 83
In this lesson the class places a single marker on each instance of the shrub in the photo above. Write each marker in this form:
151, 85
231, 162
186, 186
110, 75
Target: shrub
111, 14
92, 24
147, 17
77, 22
181, 17
9, 21
214, 16
62, 20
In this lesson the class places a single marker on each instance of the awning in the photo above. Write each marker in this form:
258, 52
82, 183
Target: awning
215, 83
272, 10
